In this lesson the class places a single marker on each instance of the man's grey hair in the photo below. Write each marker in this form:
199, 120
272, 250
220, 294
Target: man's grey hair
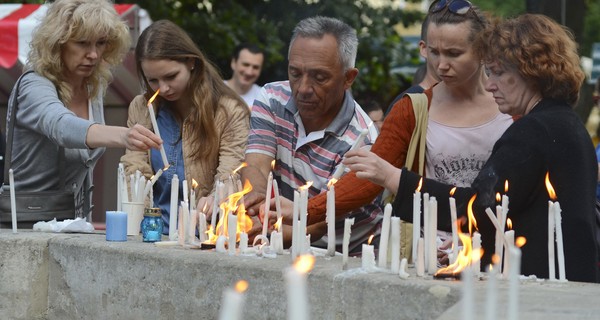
317, 27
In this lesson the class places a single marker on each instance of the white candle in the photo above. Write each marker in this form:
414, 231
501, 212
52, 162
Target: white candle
384, 236
302, 225
509, 236
185, 192
491, 299
13, 201
295, 236
453, 218
202, 226
551, 263
193, 225
395, 238
243, 242
432, 259
277, 199
220, 244
216, 200
186, 222
402, 272
120, 169
296, 288
233, 301
173, 208
231, 232
267, 205
513, 283
416, 224
331, 221
368, 257
348, 222
426, 237
180, 227
499, 243
420, 262
476, 245
468, 297
339, 171
277, 242
163, 154
559, 242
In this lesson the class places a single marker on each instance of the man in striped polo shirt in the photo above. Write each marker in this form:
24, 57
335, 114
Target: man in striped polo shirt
308, 123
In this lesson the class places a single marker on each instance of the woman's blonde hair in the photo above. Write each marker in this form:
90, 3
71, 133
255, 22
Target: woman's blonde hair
541, 50
78, 20
164, 40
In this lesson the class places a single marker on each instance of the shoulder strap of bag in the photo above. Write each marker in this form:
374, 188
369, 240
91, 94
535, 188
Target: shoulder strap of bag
14, 106
417, 140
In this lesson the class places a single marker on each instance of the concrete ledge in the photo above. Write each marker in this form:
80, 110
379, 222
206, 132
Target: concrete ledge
76, 276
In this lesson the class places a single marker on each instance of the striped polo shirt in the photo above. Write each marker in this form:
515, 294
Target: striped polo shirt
276, 130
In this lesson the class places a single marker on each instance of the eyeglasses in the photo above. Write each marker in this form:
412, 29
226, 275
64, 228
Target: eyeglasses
460, 7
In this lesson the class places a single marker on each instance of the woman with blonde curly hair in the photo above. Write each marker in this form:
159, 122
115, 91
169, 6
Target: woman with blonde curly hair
533, 73
59, 125
203, 122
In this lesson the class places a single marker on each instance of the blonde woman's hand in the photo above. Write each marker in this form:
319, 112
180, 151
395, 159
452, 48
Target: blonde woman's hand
139, 138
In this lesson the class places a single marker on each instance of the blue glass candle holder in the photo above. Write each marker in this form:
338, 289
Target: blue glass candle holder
152, 225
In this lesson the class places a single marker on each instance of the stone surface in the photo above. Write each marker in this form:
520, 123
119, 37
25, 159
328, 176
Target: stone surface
81, 276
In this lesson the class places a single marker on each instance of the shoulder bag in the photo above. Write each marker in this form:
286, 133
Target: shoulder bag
33, 206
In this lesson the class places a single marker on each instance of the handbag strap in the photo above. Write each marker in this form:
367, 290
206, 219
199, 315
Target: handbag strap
14, 106
418, 143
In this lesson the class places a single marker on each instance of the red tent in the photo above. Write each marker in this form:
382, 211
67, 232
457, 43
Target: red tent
17, 22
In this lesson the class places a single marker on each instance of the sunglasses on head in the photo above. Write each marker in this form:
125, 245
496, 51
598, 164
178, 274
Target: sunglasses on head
460, 7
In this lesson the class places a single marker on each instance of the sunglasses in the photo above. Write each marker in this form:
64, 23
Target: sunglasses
460, 7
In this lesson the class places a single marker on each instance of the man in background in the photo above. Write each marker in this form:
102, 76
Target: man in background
246, 64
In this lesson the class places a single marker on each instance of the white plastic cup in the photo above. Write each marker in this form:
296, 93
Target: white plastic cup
135, 215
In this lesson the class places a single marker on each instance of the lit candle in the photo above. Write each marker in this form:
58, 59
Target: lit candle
476, 245
193, 225
220, 244
277, 242
231, 232
416, 220
331, 220
295, 237
509, 236
453, 218
13, 201
551, 264
559, 242
491, 300
348, 222
277, 199
173, 208
267, 205
193, 195
185, 193
233, 301
432, 259
368, 255
163, 154
297, 295
243, 242
426, 229
384, 236
468, 297
513, 283
395, 238
339, 171
499, 243
202, 226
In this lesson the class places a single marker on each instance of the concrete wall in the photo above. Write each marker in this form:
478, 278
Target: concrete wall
75, 276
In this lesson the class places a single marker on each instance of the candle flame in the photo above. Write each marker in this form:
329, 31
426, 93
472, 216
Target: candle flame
520, 241
194, 183
153, 97
331, 182
239, 168
277, 224
498, 197
551, 191
495, 260
166, 167
370, 239
241, 286
231, 204
420, 185
506, 186
304, 263
273, 164
306, 186
509, 224
452, 191
204, 208
470, 215
466, 256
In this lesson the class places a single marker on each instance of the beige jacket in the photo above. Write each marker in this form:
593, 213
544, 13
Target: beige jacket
233, 133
